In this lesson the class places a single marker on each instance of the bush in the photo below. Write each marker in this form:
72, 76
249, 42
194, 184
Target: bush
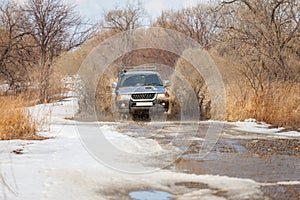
184, 77
16, 121
279, 104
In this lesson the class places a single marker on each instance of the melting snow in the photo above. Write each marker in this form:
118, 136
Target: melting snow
263, 128
61, 167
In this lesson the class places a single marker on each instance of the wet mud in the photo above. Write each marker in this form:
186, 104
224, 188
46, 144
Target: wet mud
264, 159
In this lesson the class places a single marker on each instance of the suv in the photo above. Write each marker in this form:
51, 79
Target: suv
141, 93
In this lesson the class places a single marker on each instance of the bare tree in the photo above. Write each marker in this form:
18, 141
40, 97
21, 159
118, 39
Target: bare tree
15, 47
263, 36
55, 28
199, 22
124, 18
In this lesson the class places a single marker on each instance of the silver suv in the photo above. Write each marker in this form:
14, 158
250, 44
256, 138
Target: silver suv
141, 93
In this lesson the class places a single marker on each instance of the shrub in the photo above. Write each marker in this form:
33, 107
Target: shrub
16, 121
188, 84
279, 104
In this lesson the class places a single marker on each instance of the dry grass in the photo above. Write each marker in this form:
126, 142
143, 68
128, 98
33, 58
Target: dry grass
103, 99
15, 121
278, 105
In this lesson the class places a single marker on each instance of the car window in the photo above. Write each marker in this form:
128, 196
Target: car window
140, 80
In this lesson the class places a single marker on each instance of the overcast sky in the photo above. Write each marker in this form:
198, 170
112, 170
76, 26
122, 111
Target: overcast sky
94, 8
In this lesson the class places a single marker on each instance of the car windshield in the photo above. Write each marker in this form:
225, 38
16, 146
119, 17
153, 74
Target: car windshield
140, 80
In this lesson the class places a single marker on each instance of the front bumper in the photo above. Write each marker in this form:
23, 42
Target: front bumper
136, 106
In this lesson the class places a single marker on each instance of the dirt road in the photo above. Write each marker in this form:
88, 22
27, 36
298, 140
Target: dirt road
150, 160
271, 160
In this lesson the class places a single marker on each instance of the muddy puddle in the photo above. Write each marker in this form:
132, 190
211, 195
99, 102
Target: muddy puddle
266, 160
260, 159
235, 160
232, 158
150, 195
262, 169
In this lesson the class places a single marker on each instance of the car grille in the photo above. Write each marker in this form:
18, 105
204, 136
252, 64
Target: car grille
143, 96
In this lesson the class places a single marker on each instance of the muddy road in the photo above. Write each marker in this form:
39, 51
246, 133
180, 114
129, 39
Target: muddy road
271, 160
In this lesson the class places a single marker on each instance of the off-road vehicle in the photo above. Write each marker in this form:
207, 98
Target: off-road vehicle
140, 93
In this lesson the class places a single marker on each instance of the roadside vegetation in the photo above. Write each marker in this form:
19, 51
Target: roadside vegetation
255, 44
278, 106
33, 35
256, 47
16, 122
263, 38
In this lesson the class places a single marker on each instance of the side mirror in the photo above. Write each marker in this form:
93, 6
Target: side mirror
167, 83
114, 85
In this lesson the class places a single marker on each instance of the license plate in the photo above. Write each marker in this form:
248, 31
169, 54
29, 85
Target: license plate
144, 104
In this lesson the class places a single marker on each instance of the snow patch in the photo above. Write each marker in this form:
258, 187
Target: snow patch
61, 168
129, 144
252, 126
4, 87
289, 183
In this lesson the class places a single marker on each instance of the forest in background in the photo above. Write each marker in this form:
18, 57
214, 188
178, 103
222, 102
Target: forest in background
255, 45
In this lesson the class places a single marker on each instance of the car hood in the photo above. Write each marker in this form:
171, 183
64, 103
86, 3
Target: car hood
142, 89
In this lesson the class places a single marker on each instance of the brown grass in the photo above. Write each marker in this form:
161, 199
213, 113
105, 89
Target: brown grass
16, 122
278, 105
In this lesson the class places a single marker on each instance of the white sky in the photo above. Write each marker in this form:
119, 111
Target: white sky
94, 8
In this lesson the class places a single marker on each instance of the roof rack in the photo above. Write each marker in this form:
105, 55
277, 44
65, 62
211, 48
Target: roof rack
125, 69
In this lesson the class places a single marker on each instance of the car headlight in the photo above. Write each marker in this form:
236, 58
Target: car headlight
164, 95
123, 97
159, 96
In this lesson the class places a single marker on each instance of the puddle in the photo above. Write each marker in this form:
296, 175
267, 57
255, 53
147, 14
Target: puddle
272, 168
236, 146
150, 195
199, 158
